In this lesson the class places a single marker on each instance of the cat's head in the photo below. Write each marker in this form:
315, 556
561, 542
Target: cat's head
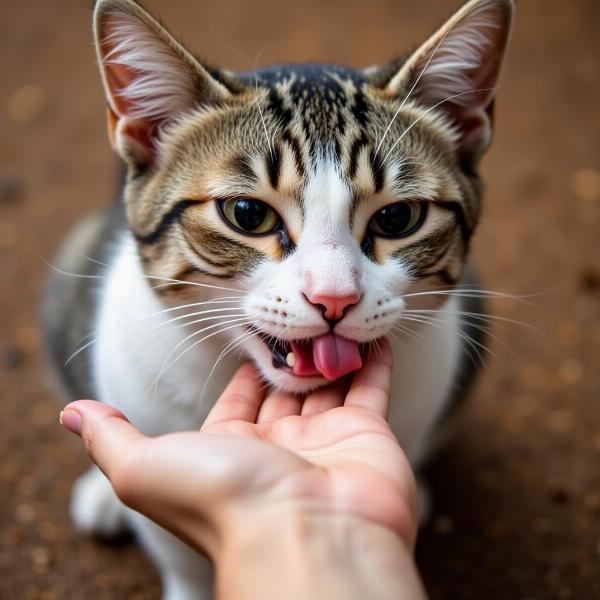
328, 195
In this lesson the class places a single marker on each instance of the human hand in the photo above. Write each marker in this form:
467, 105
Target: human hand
331, 453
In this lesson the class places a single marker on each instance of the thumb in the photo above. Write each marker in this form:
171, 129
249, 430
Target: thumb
107, 434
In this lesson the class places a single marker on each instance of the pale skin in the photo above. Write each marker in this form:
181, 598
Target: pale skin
289, 497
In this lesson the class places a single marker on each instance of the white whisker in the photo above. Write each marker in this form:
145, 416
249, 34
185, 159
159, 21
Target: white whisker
430, 109
238, 341
412, 89
151, 277
180, 326
239, 322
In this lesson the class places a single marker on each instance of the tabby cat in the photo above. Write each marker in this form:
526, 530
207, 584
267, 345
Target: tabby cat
292, 216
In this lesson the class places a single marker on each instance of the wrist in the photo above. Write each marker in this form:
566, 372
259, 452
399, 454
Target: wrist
319, 556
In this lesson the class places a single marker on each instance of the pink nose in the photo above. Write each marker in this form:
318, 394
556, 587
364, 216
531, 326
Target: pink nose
334, 305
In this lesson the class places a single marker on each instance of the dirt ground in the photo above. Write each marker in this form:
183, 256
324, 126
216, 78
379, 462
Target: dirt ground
517, 489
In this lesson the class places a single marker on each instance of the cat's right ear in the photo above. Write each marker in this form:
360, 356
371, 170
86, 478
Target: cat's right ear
149, 78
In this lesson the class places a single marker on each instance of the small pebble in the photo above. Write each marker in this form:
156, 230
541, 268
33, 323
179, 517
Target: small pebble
560, 496
591, 502
11, 190
585, 184
28, 338
571, 370
40, 558
443, 525
560, 421
589, 280
49, 531
12, 357
25, 513
26, 103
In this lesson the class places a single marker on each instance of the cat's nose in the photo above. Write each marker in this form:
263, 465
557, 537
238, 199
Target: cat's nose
334, 307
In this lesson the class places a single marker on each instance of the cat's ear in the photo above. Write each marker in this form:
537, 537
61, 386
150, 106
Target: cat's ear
149, 78
457, 68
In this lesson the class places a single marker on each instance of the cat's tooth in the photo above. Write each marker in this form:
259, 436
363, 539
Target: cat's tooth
290, 359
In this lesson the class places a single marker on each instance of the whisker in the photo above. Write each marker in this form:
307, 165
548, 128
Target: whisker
467, 338
185, 324
430, 109
474, 292
219, 331
239, 316
97, 262
180, 326
151, 277
412, 89
222, 300
238, 341
478, 316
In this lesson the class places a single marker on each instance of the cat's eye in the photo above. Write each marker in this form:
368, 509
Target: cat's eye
398, 220
249, 216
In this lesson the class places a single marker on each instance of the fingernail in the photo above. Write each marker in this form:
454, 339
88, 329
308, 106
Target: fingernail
71, 420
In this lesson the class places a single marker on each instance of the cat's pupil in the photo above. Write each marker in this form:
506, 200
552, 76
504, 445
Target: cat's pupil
249, 214
395, 219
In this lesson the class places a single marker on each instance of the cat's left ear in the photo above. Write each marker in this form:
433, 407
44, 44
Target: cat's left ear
457, 68
149, 79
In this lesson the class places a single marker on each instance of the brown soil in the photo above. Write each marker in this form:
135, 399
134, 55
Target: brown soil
517, 490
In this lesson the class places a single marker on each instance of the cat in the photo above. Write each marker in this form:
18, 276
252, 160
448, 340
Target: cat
291, 216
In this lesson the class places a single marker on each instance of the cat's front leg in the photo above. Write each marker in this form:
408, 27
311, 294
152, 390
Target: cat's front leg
95, 508
185, 574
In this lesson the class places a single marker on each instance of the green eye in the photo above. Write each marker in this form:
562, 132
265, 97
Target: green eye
398, 220
249, 216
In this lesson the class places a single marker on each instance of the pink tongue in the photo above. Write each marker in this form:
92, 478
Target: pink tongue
332, 356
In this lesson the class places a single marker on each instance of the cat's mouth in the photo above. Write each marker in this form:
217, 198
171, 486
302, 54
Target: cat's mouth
330, 356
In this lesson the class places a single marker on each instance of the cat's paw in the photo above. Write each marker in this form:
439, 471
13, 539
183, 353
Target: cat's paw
95, 508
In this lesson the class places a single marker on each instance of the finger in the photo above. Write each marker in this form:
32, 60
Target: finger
278, 405
326, 398
370, 387
241, 399
107, 434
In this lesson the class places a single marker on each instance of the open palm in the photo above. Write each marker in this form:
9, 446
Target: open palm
329, 453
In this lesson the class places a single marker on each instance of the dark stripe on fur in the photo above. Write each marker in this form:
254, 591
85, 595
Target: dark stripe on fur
358, 144
360, 108
282, 114
423, 253
377, 167
172, 216
199, 271
442, 274
273, 165
294, 144
458, 211
242, 166
220, 264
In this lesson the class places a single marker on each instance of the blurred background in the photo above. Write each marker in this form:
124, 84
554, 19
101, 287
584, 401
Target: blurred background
517, 490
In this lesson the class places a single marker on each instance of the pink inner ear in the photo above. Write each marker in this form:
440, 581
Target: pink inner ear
137, 135
118, 77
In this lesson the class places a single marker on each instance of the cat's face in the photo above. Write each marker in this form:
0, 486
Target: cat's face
328, 196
